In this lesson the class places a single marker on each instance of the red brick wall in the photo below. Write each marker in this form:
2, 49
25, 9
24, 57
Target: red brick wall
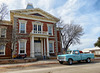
7, 41
7, 52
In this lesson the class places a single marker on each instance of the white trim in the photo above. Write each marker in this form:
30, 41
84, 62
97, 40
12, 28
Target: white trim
22, 21
53, 46
51, 25
34, 18
22, 40
4, 49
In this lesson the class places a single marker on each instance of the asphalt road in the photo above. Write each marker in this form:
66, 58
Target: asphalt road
83, 67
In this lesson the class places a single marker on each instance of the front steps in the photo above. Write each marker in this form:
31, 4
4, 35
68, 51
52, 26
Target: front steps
45, 58
42, 57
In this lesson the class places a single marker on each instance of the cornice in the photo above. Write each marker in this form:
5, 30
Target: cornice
31, 17
23, 11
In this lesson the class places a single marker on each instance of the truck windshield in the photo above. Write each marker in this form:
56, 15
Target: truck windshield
68, 52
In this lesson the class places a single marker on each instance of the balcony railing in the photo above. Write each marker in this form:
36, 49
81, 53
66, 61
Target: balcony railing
40, 32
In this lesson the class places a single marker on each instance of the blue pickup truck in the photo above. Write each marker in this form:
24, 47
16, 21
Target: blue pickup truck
75, 55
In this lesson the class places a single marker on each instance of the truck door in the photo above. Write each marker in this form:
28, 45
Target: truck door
77, 55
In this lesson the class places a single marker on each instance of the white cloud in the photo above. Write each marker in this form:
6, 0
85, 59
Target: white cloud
85, 43
45, 4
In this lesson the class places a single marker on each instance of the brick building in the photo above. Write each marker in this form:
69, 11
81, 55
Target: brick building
36, 32
5, 39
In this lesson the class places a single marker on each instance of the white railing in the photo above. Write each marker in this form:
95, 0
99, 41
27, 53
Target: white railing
40, 32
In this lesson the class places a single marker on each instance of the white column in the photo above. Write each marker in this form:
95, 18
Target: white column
44, 48
47, 47
32, 47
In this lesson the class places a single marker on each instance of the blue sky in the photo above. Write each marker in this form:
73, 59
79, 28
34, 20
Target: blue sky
83, 12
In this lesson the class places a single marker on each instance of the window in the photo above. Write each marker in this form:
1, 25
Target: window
51, 47
2, 49
22, 28
22, 47
35, 27
39, 28
3, 33
50, 30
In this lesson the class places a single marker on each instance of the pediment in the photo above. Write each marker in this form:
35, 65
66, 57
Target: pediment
37, 12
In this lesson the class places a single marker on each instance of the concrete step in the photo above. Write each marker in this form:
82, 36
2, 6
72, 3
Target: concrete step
41, 57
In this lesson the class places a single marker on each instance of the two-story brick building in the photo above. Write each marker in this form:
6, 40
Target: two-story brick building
5, 39
36, 31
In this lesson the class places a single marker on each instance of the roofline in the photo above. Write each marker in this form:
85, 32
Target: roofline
38, 9
5, 22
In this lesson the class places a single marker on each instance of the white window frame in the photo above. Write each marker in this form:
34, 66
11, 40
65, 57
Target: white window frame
5, 31
53, 46
22, 40
50, 25
4, 48
37, 23
22, 21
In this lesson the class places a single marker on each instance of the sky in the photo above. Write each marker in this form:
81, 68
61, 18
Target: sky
83, 12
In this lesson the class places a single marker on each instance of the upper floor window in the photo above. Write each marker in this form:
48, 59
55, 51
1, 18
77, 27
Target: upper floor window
39, 27
22, 26
35, 27
2, 49
50, 30
3, 32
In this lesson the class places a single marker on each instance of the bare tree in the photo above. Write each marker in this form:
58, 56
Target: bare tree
71, 34
3, 11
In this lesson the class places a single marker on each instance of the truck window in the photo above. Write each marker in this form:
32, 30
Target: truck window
75, 52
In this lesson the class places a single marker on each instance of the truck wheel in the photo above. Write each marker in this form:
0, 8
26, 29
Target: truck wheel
70, 61
88, 60
61, 62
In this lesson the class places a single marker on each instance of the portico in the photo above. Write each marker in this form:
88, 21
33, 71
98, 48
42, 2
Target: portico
39, 45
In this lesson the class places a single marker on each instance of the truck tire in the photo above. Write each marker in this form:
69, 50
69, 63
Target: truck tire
61, 62
70, 61
88, 60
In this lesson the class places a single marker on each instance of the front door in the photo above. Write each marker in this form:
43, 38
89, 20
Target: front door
37, 47
77, 56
